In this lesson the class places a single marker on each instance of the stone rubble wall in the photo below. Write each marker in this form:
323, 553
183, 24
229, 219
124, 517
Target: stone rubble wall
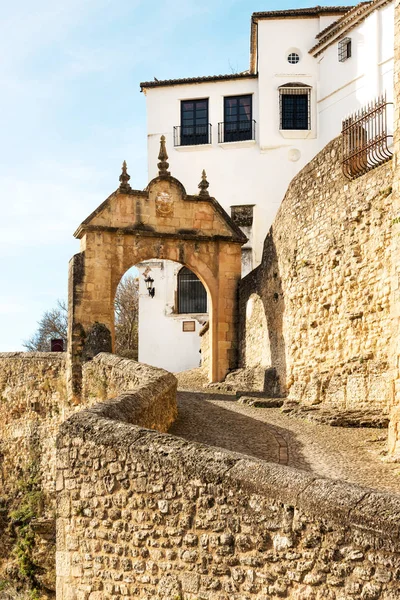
205, 347
325, 283
394, 427
147, 515
32, 406
150, 392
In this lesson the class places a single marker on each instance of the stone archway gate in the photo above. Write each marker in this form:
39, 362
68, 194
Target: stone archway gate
160, 222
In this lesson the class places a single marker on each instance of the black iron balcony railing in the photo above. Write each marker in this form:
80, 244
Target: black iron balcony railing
192, 135
236, 131
365, 139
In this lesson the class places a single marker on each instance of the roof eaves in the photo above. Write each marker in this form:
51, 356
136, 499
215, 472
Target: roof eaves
333, 25
301, 12
346, 24
192, 80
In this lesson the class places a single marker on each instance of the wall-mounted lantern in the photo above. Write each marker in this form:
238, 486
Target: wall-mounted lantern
150, 287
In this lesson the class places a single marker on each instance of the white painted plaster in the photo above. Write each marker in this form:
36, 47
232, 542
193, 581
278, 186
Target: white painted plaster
259, 172
162, 342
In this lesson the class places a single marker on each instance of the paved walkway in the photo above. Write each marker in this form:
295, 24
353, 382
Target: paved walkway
354, 455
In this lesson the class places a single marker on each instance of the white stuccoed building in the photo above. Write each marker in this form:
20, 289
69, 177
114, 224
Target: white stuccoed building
253, 131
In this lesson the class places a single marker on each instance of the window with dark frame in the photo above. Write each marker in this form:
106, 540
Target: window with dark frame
192, 295
238, 118
344, 49
295, 107
194, 122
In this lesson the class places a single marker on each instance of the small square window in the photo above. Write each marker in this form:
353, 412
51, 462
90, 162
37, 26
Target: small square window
188, 326
344, 49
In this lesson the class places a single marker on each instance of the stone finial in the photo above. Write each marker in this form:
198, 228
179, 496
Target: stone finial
163, 157
203, 186
124, 178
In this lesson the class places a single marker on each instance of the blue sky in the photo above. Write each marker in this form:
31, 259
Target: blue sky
71, 111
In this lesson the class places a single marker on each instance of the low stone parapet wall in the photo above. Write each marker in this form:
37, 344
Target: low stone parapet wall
147, 393
148, 515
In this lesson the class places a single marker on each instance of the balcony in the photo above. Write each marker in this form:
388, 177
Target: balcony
192, 135
236, 131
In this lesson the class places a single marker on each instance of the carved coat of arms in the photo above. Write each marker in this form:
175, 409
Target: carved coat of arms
164, 205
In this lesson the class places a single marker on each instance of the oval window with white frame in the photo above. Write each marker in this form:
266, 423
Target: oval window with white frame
293, 58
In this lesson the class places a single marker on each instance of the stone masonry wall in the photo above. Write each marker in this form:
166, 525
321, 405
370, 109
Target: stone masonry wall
108, 376
205, 347
394, 427
146, 515
32, 406
325, 282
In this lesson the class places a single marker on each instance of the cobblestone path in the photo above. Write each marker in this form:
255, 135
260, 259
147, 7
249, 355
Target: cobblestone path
354, 455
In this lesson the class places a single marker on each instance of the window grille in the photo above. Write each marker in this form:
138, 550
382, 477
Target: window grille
295, 107
365, 139
344, 49
192, 295
293, 58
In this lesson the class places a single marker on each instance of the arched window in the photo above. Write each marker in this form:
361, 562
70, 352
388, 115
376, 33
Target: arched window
192, 295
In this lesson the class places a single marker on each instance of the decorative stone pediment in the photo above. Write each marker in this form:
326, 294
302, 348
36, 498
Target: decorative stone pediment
161, 222
163, 208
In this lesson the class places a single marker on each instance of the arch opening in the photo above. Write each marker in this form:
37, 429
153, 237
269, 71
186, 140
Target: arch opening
126, 315
161, 328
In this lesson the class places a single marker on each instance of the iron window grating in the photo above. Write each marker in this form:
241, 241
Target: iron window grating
366, 140
294, 90
344, 49
293, 58
192, 295
197, 136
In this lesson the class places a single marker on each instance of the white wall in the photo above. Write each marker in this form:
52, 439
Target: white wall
346, 87
244, 172
162, 343
259, 172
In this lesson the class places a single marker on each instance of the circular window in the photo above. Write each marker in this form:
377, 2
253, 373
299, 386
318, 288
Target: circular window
293, 58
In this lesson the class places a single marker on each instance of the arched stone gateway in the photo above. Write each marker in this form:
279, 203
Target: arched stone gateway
160, 222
